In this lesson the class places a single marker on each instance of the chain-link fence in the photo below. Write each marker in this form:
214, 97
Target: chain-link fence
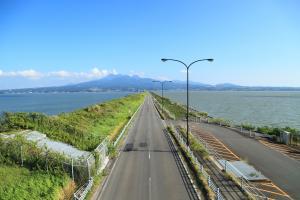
28, 154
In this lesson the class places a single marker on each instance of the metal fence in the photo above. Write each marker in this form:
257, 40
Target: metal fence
96, 164
211, 184
93, 167
81, 193
226, 124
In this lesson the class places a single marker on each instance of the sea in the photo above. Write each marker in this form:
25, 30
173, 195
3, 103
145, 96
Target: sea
260, 108
54, 103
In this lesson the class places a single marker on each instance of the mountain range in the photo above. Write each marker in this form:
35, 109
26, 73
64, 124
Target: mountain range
136, 83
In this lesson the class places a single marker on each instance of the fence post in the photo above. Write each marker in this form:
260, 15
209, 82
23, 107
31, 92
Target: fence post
88, 166
47, 160
202, 169
218, 193
21, 147
72, 170
225, 166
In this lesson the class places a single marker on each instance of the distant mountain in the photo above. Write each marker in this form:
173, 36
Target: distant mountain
136, 83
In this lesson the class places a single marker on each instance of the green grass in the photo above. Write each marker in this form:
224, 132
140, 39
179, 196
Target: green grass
178, 110
19, 183
83, 128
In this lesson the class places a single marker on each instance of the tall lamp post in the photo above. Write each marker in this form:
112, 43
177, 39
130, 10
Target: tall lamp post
187, 89
162, 93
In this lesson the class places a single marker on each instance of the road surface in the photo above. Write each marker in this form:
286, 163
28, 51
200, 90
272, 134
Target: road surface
147, 167
282, 170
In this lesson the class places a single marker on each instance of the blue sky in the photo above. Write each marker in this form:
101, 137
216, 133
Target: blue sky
59, 42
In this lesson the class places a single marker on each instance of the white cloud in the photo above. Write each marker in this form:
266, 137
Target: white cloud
134, 73
33, 74
98, 73
30, 73
61, 74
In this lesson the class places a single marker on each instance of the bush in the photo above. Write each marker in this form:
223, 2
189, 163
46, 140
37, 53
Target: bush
20, 183
84, 128
248, 127
34, 158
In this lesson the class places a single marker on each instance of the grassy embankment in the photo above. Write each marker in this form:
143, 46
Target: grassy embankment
20, 183
43, 177
180, 112
83, 128
176, 110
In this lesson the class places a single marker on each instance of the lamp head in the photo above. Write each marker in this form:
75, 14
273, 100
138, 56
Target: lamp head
210, 60
164, 59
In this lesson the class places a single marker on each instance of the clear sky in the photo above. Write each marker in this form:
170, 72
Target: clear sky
56, 42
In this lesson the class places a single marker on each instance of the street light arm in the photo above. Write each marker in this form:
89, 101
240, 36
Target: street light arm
210, 60
167, 59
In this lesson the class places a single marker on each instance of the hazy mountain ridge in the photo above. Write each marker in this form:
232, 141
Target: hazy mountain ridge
136, 83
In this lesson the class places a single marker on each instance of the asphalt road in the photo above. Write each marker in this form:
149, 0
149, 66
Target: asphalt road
146, 168
282, 170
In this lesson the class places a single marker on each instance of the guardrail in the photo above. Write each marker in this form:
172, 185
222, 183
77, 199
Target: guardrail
125, 127
81, 193
211, 184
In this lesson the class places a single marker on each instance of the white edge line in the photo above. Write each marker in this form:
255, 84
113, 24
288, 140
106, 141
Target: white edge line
112, 169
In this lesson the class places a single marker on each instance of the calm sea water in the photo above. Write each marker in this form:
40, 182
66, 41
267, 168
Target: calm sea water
259, 108
53, 103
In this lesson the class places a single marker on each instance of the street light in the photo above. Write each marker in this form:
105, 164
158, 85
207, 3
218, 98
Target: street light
162, 93
187, 89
